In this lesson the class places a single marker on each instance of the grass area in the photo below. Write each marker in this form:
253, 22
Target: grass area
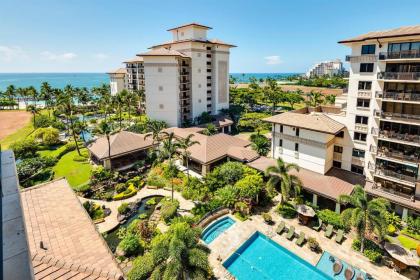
407, 242
20, 134
52, 152
76, 172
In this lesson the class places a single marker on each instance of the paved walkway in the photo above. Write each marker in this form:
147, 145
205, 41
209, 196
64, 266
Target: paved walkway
236, 235
111, 221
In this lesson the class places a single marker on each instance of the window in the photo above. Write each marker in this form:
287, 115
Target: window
340, 134
281, 143
368, 49
360, 136
161, 106
199, 85
366, 67
362, 119
160, 69
365, 103
397, 47
160, 88
357, 169
358, 153
297, 147
336, 164
297, 131
281, 128
338, 149
363, 85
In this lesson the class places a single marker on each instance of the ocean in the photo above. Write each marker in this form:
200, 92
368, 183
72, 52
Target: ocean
89, 80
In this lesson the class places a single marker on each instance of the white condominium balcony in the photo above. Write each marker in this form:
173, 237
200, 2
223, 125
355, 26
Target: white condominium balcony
399, 76
403, 55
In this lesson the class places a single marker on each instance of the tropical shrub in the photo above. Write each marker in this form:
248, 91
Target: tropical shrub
413, 225
313, 244
393, 219
195, 189
168, 209
47, 136
253, 121
372, 251
129, 192
151, 201
249, 187
94, 210
260, 144
30, 168
142, 267
131, 245
267, 218
156, 180
332, 218
227, 196
391, 229
124, 208
286, 210
119, 188
25, 148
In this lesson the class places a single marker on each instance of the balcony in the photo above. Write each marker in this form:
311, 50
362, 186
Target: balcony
403, 76
364, 94
397, 155
373, 148
362, 58
398, 96
392, 175
400, 117
405, 137
408, 54
360, 161
361, 127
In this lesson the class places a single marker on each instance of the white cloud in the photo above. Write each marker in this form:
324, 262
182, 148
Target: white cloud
100, 56
58, 57
272, 60
9, 54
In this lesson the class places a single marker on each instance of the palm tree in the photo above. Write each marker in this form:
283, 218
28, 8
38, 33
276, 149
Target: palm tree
34, 111
129, 99
315, 98
105, 129
22, 93
290, 184
47, 94
168, 151
10, 92
330, 99
155, 128
103, 92
184, 144
365, 216
141, 96
118, 100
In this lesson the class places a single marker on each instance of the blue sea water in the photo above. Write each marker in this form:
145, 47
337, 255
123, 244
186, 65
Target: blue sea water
89, 80
262, 258
215, 229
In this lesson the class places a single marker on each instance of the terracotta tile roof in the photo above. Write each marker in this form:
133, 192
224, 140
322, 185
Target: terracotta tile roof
211, 147
397, 32
134, 60
72, 246
163, 52
242, 154
118, 71
210, 41
331, 185
219, 121
122, 142
191, 24
313, 121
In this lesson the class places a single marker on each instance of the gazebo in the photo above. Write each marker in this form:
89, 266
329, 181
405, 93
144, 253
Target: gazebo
401, 257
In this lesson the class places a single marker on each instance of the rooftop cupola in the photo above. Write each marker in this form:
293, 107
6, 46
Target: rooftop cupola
191, 31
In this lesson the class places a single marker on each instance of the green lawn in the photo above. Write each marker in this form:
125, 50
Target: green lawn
407, 242
76, 172
20, 134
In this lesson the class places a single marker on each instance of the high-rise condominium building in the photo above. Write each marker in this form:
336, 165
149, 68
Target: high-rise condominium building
329, 68
181, 78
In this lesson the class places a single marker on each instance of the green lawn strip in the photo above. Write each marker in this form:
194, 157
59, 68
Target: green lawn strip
19, 134
76, 172
407, 242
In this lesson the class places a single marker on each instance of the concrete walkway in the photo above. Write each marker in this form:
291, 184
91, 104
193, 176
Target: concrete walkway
111, 221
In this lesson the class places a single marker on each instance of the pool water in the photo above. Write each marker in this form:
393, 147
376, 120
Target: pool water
216, 228
262, 258
326, 265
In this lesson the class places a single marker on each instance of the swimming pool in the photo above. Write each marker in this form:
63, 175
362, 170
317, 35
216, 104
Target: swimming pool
326, 265
216, 228
262, 258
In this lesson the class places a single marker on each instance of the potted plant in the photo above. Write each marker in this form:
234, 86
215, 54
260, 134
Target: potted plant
267, 218
314, 245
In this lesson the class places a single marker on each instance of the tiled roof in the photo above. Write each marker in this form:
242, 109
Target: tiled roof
313, 121
191, 24
118, 71
242, 154
134, 60
210, 41
71, 245
397, 32
121, 143
163, 52
211, 147
333, 184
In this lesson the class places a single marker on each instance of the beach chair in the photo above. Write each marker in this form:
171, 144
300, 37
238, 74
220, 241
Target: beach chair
291, 233
301, 239
340, 236
281, 228
319, 226
329, 231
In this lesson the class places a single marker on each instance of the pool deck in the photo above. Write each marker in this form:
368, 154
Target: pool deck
230, 240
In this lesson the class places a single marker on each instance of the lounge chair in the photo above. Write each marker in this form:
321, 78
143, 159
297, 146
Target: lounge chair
281, 227
340, 236
291, 233
329, 231
319, 226
301, 239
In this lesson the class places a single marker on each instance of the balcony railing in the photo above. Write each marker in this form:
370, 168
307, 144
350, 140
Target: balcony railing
361, 58
364, 94
379, 188
400, 116
399, 155
361, 127
401, 96
399, 76
372, 148
384, 134
408, 54
392, 174
358, 161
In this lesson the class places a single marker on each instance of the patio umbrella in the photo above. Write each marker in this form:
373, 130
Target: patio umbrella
400, 254
305, 210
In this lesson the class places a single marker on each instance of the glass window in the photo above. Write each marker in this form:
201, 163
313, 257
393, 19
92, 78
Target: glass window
281, 128
415, 46
340, 134
368, 49
366, 67
365, 103
358, 153
357, 169
281, 143
336, 164
360, 136
297, 147
363, 85
297, 131
338, 149
362, 119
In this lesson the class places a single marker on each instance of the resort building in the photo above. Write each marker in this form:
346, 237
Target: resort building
383, 113
181, 78
328, 68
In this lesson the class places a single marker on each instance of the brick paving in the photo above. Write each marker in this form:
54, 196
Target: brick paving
71, 246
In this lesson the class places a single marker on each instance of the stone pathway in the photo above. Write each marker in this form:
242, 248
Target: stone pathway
111, 221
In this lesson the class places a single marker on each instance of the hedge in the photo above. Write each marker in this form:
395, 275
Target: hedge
372, 251
331, 218
129, 192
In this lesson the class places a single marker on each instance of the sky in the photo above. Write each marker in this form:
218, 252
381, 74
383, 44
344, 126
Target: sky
272, 36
